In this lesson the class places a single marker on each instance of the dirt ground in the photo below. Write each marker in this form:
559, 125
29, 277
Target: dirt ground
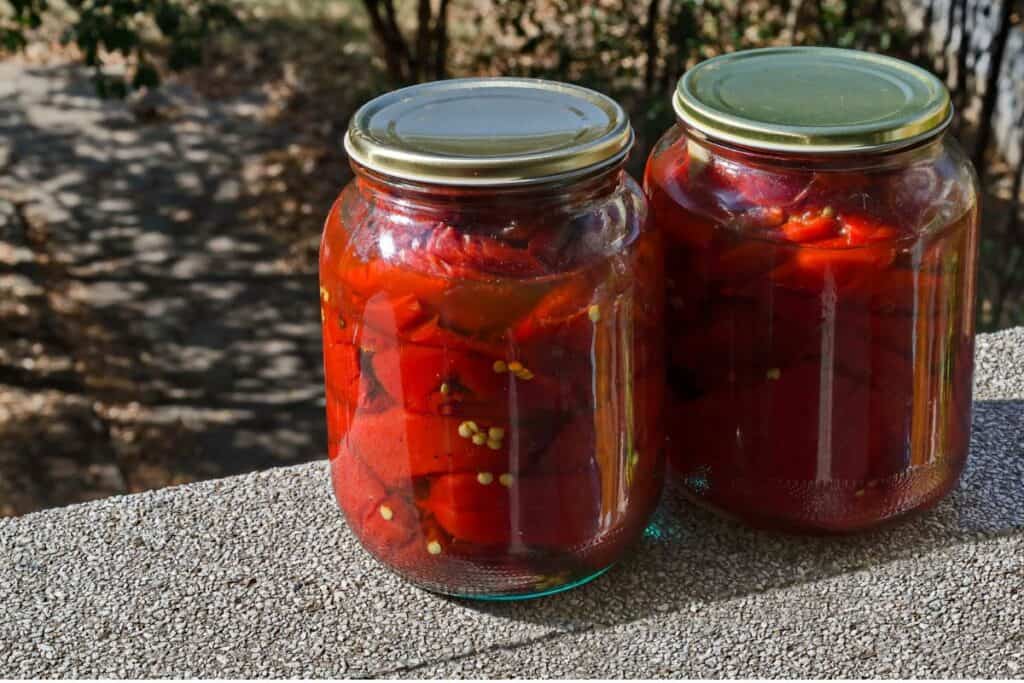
158, 295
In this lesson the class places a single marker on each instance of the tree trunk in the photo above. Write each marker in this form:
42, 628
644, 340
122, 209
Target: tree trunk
988, 103
947, 40
923, 42
960, 87
393, 44
441, 42
383, 34
651, 39
424, 35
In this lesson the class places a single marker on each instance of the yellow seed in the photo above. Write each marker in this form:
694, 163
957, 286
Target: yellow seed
434, 548
499, 366
828, 212
472, 426
445, 389
479, 439
515, 366
595, 313
464, 430
496, 433
634, 458
386, 512
525, 374
773, 373
494, 444
506, 480
859, 492
324, 294
485, 478
323, 317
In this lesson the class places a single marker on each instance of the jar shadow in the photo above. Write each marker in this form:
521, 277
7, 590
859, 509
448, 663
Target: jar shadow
690, 556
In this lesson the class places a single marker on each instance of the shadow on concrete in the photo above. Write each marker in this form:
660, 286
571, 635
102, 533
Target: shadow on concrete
696, 557
179, 327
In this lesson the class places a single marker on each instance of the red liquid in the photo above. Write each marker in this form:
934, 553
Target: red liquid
820, 337
493, 388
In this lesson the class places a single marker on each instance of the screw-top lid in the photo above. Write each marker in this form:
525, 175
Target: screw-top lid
812, 99
488, 131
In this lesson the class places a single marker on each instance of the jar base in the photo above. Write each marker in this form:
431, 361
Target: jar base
483, 597
944, 477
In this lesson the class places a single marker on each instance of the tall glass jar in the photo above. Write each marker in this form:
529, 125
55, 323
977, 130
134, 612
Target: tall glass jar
821, 239
491, 301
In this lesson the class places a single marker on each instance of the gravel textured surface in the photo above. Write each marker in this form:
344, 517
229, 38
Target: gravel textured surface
258, 576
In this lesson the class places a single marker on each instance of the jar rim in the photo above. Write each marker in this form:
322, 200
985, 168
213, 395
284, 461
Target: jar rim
489, 132
813, 100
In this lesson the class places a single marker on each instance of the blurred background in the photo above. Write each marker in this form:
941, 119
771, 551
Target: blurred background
165, 166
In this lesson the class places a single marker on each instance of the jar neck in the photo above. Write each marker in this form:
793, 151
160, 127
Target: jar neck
399, 194
865, 160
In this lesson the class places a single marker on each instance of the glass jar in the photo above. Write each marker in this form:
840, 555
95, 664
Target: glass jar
492, 304
821, 237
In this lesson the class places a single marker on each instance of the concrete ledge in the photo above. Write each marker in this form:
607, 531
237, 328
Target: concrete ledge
258, 576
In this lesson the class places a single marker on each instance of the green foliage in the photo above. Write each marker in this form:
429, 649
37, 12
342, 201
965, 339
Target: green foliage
100, 27
27, 14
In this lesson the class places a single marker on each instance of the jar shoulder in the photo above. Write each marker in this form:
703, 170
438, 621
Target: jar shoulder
518, 234
911, 192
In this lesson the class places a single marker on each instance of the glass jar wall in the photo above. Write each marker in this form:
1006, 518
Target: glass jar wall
820, 293
492, 348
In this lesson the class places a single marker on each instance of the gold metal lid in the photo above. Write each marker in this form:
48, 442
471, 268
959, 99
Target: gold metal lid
813, 100
488, 131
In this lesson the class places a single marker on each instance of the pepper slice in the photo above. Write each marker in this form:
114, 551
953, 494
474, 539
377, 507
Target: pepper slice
751, 427
833, 265
760, 187
382, 520
398, 445
394, 313
366, 279
692, 183
470, 256
810, 228
562, 317
557, 511
433, 333
741, 267
339, 418
741, 339
342, 372
461, 383
349, 377
486, 309
572, 450
862, 230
